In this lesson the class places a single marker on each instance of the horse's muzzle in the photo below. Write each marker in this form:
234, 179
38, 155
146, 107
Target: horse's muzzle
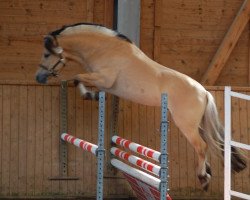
42, 78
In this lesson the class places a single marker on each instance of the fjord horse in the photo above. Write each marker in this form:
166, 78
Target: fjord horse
115, 65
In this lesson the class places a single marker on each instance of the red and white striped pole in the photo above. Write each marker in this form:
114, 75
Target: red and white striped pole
137, 148
148, 166
86, 146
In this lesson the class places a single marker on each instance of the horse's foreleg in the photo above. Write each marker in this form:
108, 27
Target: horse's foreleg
102, 80
85, 93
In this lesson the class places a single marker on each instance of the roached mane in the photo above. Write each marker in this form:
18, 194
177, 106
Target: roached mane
68, 29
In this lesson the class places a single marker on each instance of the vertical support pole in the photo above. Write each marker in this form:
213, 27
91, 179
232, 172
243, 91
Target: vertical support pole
63, 129
100, 150
164, 156
227, 145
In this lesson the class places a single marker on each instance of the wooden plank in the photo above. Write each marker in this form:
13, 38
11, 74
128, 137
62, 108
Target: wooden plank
183, 171
191, 165
157, 29
94, 137
47, 145
22, 140
227, 45
6, 139
157, 125
243, 139
157, 44
39, 131
14, 109
79, 133
108, 13
174, 159
121, 118
55, 136
150, 128
90, 10
127, 120
31, 140
71, 186
142, 124
220, 106
87, 134
237, 182
98, 16
135, 122
214, 159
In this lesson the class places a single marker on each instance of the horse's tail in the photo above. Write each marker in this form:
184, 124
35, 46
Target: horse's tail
213, 133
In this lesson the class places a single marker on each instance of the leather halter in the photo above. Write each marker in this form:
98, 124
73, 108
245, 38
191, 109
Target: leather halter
53, 71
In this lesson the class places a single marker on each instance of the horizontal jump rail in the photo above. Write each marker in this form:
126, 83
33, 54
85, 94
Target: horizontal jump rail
137, 148
142, 176
148, 166
84, 145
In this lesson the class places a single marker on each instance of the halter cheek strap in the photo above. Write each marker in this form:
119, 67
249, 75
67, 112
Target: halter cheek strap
52, 71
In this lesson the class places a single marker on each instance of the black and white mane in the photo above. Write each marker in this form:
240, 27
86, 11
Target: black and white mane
94, 27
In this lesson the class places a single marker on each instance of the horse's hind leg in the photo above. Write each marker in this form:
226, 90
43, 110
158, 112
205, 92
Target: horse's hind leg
203, 169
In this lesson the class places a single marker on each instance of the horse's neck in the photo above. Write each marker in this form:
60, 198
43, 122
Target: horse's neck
87, 47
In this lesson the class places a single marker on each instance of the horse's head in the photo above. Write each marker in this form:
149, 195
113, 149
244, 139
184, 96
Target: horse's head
52, 60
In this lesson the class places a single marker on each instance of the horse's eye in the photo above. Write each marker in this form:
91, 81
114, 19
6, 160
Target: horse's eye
46, 55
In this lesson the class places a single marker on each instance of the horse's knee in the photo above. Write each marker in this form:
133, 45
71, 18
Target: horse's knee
85, 93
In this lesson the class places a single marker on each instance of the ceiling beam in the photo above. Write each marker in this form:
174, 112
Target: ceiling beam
230, 40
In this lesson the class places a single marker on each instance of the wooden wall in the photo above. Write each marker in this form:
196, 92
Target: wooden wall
23, 24
29, 145
182, 35
185, 35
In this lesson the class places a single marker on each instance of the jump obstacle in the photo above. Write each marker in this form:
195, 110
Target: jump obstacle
228, 143
97, 150
145, 185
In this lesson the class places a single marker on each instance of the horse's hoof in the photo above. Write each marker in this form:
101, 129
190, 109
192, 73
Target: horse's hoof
91, 96
204, 180
88, 96
76, 82
96, 94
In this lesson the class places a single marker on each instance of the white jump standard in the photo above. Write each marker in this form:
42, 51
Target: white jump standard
229, 144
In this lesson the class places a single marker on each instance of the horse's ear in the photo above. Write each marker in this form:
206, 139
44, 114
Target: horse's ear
49, 43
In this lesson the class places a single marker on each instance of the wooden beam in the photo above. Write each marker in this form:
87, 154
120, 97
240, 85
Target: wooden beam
157, 30
90, 11
227, 45
108, 13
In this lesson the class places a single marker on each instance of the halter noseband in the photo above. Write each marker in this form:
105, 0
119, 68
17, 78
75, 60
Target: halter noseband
52, 71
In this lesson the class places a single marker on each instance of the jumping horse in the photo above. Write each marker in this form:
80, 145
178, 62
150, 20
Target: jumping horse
114, 64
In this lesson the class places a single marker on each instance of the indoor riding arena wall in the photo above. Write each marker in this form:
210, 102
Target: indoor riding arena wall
29, 144
183, 35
